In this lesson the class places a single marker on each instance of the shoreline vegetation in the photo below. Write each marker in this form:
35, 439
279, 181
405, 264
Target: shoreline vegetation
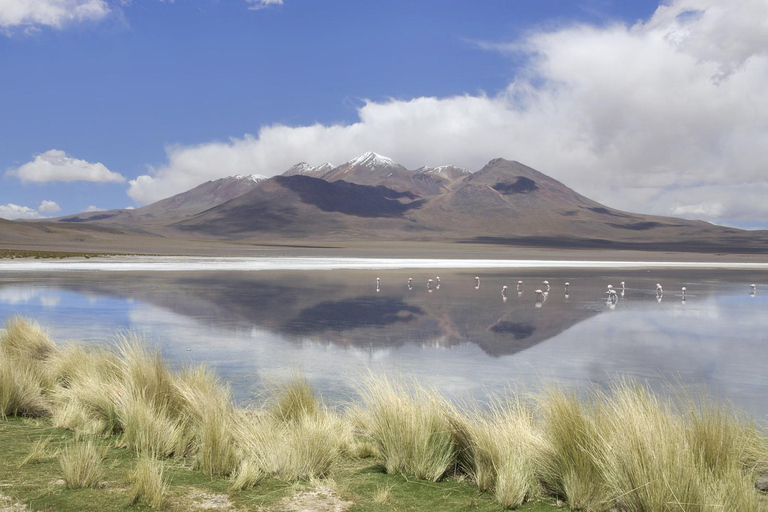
12, 254
84, 416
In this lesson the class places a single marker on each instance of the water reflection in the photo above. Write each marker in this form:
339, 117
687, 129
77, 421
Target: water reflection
459, 337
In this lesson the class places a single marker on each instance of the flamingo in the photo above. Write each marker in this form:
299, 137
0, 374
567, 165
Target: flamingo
752, 290
683, 300
477, 283
546, 283
659, 290
378, 284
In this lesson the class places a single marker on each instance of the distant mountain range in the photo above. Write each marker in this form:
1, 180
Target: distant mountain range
373, 197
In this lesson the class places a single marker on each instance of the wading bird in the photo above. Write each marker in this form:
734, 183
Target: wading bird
546, 283
378, 284
477, 283
659, 290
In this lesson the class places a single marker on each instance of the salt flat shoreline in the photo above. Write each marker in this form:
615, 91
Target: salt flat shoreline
202, 264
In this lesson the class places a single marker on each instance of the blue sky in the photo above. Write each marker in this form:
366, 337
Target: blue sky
145, 87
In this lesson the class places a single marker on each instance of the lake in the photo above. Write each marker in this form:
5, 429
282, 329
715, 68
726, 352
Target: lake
258, 324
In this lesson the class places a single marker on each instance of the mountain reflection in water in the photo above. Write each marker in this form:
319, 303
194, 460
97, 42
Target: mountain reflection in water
463, 340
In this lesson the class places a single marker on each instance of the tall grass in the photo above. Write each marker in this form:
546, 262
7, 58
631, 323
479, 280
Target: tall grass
147, 482
81, 464
293, 436
626, 449
206, 414
25, 348
410, 428
572, 428
504, 450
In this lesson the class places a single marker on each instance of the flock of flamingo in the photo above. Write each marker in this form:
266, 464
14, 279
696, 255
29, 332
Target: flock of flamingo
541, 295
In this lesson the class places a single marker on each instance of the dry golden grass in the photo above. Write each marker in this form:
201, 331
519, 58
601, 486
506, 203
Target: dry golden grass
409, 426
503, 450
147, 482
81, 464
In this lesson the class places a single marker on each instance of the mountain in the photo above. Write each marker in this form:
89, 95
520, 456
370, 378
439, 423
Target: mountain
201, 198
505, 203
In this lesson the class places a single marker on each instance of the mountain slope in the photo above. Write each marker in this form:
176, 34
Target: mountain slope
201, 198
298, 205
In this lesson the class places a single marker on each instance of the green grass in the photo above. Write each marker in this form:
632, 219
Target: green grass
41, 485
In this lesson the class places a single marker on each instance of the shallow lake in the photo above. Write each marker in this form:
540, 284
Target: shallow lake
334, 325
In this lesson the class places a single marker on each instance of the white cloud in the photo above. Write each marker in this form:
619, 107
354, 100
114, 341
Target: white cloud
50, 13
93, 208
56, 165
12, 211
49, 207
255, 5
662, 117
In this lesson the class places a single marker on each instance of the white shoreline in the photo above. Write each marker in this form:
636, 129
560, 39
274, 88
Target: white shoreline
199, 264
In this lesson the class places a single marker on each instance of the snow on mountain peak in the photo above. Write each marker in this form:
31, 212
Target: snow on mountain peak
371, 160
301, 168
250, 177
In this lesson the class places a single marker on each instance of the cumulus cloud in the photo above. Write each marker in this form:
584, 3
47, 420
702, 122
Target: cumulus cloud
50, 13
255, 5
56, 165
12, 211
665, 116
49, 207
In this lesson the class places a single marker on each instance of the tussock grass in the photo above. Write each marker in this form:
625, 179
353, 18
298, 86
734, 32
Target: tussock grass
572, 430
147, 482
626, 449
20, 391
410, 428
291, 400
24, 340
298, 440
81, 464
145, 428
207, 415
503, 450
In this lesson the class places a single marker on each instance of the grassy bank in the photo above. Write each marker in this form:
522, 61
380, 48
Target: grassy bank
101, 429
24, 253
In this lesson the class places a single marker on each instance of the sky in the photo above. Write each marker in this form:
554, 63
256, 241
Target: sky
659, 108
